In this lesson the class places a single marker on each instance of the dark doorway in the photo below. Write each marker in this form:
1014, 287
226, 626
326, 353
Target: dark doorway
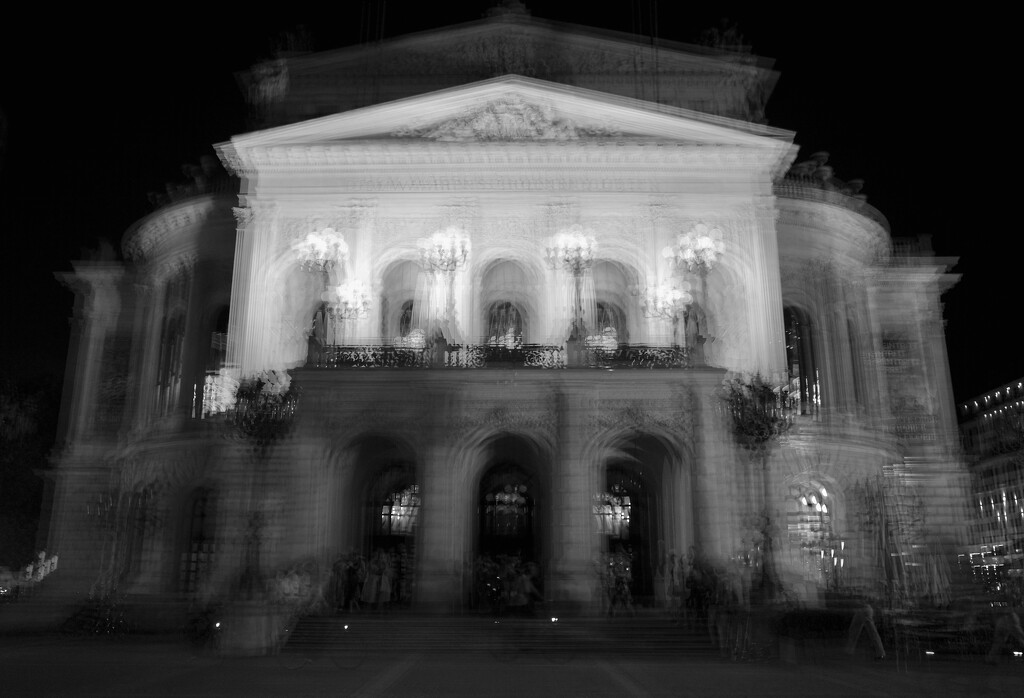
628, 514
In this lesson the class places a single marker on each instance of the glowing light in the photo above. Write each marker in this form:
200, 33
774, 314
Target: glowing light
666, 300
698, 248
571, 249
321, 251
444, 251
349, 300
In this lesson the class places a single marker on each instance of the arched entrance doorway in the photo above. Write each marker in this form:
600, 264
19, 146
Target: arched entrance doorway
389, 513
629, 515
510, 513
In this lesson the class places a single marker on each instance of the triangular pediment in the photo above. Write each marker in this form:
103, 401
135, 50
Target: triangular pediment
513, 109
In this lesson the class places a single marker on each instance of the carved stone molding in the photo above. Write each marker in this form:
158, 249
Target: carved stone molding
677, 416
518, 416
243, 216
163, 470
182, 263
167, 228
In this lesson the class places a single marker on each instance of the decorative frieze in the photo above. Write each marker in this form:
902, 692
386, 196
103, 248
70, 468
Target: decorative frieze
533, 416
169, 227
507, 119
676, 416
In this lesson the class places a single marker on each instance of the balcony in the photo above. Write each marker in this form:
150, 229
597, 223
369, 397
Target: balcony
482, 356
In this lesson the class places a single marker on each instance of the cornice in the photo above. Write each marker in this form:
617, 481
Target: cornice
796, 191
645, 154
170, 228
834, 230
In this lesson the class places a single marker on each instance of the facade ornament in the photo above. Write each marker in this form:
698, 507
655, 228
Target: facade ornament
507, 119
511, 417
174, 226
243, 215
181, 264
613, 415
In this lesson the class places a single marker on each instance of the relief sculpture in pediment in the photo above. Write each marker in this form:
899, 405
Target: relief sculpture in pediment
506, 119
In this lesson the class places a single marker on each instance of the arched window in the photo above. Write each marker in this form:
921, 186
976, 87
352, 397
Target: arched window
858, 391
506, 512
504, 324
172, 340
197, 557
218, 341
611, 316
405, 319
626, 518
399, 513
810, 512
801, 361
612, 510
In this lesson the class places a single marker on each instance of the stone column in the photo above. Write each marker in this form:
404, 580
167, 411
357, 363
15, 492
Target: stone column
251, 329
443, 537
570, 580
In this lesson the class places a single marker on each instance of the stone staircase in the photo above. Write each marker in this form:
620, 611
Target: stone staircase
369, 635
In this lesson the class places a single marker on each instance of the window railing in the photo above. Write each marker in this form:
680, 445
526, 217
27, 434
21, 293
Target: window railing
475, 356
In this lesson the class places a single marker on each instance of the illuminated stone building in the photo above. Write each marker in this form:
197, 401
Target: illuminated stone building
993, 437
506, 273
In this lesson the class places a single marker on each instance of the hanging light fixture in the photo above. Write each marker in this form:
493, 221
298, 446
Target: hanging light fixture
322, 250
666, 300
348, 301
698, 248
572, 249
444, 251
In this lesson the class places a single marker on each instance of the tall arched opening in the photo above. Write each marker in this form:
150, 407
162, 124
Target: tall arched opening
512, 513
630, 515
386, 520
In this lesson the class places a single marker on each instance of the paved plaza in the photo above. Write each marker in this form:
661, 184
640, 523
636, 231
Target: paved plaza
48, 665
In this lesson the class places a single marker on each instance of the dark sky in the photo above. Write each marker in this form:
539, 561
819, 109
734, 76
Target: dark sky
102, 109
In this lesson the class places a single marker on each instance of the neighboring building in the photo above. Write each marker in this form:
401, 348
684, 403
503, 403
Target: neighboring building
486, 391
992, 428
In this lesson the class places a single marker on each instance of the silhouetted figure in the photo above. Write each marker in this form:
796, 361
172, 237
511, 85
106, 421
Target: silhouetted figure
864, 619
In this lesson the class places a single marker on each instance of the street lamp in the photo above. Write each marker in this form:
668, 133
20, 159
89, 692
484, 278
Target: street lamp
698, 249
321, 251
444, 251
347, 301
441, 255
667, 301
572, 250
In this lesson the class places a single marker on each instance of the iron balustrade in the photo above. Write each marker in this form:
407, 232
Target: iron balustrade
478, 356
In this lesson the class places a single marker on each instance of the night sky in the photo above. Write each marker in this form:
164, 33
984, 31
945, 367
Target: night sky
102, 109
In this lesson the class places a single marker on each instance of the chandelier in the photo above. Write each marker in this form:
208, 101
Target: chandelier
572, 249
348, 301
666, 300
444, 251
322, 250
698, 248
